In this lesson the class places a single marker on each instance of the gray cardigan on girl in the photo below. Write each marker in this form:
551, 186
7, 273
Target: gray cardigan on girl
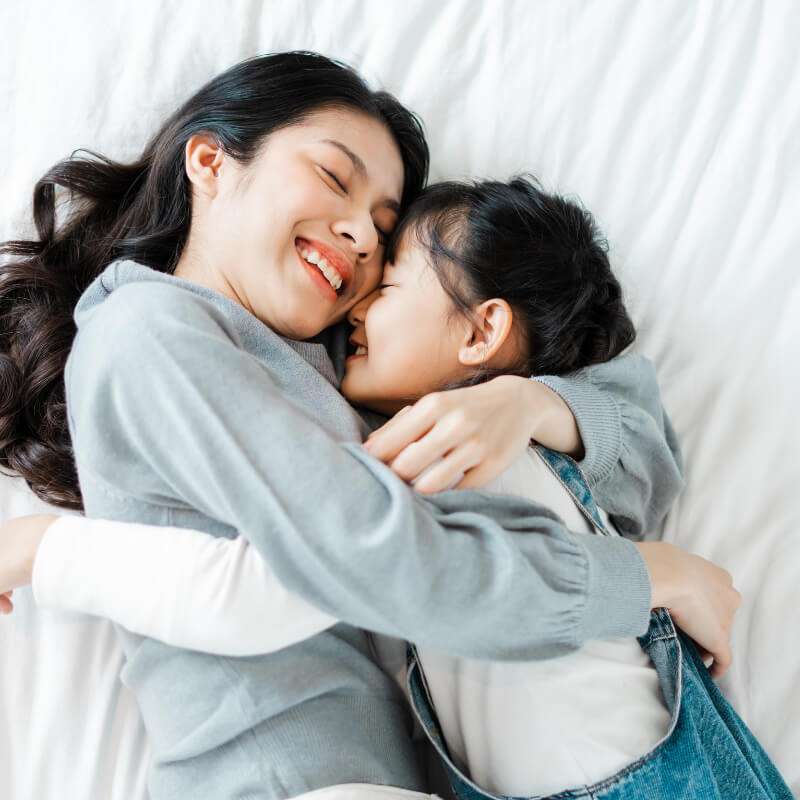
185, 410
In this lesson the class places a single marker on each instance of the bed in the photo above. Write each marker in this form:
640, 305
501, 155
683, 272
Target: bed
677, 123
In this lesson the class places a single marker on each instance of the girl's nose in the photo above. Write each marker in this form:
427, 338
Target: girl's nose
358, 312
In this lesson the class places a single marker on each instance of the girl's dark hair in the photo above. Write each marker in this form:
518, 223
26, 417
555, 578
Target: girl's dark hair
142, 211
541, 253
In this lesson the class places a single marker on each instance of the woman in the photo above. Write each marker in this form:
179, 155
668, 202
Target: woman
192, 402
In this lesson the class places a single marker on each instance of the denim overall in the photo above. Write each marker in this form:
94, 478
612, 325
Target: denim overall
708, 752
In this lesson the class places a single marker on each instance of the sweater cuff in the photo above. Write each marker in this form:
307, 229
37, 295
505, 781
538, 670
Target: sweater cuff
618, 593
598, 418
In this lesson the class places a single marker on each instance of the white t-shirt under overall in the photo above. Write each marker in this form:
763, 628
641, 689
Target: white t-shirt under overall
540, 727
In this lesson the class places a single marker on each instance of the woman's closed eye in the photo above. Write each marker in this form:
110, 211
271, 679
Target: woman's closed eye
335, 179
383, 236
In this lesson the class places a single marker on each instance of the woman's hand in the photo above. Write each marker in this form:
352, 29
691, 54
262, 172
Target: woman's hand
464, 438
700, 597
19, 542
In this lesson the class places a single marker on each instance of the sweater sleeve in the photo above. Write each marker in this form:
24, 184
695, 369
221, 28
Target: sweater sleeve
632, 460
183, 587
154, 415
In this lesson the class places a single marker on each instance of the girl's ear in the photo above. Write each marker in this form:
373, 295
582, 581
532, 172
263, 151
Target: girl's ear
488, 332
203, 158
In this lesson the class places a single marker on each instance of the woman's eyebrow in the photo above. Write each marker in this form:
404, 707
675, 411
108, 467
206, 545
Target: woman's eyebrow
361, 168
358, 164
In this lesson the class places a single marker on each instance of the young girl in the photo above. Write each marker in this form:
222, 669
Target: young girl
199, 396
482, 279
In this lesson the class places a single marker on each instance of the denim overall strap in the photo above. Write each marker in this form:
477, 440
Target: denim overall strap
708, 753
571, 478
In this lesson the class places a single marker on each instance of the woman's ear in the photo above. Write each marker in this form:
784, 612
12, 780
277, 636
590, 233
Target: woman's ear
204, 158
487, 333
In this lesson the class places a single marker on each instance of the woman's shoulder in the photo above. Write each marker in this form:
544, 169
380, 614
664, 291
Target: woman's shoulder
131, 303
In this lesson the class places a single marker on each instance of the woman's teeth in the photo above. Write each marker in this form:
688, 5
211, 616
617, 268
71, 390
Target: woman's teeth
361, 350
313, 257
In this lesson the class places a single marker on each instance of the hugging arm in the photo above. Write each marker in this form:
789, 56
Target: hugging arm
191, 590
351, 538
607, 415
183, 587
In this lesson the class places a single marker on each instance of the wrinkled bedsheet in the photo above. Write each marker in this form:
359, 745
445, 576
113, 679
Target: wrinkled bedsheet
677, 123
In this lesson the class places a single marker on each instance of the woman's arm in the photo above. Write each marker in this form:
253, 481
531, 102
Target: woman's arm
608, 416
192, 590
155, 378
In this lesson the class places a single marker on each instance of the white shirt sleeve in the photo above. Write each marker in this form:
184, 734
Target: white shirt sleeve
184, 587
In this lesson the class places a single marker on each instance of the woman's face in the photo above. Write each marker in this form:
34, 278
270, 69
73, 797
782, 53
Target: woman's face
407, 337
297, 236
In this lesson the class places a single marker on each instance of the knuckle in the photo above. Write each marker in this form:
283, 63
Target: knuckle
459, 418
404, 463
429, 404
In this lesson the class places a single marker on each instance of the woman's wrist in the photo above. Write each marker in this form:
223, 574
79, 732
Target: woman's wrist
660, 558
551, 420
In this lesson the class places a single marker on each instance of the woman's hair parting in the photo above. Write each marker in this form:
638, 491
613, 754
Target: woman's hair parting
541, 253
141, 211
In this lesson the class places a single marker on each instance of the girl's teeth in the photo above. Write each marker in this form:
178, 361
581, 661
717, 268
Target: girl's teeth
313, 257
361, 350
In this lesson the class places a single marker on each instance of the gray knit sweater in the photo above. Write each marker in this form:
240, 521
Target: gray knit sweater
185, 410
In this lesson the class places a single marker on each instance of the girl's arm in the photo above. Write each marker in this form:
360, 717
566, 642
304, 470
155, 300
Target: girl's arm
608, 416
183, 587
151, 380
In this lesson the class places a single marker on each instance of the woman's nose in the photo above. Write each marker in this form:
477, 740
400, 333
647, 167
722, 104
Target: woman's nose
361, 236
358, 312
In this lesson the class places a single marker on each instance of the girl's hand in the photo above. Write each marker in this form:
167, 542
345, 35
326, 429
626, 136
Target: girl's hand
465, 438
19, 543
700, 597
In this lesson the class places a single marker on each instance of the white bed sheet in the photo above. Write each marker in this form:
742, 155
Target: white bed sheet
678, 123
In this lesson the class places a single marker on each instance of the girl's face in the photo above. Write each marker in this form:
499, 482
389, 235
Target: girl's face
407, 337
297, 236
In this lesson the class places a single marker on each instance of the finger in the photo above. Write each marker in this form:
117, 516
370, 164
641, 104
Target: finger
706, 656
477, 477
426, 451
400, 431
6, 606
723, 658
448, 473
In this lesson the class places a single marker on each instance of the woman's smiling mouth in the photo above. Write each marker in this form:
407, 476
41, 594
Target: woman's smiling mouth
329, 264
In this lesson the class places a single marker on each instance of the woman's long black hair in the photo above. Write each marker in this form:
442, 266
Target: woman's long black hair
541, 253
141, 211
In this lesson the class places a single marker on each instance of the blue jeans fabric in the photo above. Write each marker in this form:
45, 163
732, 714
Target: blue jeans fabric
708, 752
